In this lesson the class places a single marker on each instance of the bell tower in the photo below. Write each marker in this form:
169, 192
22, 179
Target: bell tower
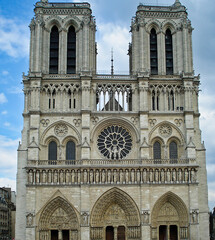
161, 40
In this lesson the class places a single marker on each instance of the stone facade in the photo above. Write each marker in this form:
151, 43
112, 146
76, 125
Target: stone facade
111, 156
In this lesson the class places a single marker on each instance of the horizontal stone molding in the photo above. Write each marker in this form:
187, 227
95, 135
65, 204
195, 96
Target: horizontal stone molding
103, 162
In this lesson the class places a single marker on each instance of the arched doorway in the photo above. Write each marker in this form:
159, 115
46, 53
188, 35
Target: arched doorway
115, 216
58, 221
169, 218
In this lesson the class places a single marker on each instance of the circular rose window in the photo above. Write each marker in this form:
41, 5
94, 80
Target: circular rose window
114, 142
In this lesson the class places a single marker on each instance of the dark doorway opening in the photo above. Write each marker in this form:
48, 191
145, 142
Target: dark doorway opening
109, 233
163, 232
65, 234
54, 234
173, 232
121, 233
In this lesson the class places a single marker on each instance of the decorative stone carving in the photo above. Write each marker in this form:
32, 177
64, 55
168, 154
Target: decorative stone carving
94, 120
145, 216
29, 220
165, 130
77, 122
85, 219
152, 122
183, 233
136, 175
61, 130
45, 122
178, 122
135, 120
194, 216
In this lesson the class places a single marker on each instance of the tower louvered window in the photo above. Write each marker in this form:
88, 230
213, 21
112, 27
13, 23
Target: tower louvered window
173, 150
54, 51
157, 150
153, 52
52, 155
70, 150
71, 51
169, 52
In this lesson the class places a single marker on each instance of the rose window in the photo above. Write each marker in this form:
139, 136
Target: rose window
114, 142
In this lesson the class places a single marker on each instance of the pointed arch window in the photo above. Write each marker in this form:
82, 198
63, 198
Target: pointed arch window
52, 155
54, 50
157, 150
169, 52
71, 51
153, 52
70, 150
173, 150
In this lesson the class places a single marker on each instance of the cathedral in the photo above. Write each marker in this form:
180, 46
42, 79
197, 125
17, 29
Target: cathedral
111, 157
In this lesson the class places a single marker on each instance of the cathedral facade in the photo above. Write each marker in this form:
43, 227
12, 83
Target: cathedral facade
111, 157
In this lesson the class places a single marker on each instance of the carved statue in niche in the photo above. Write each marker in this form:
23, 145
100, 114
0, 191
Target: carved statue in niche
103, 176
49, 176
121, 176
67, 176
97, 176
84, 219
179, 175
109, 176
91, 176
138, 176
30, 177
126, 176
115, 177
85, 176
132, 176
78, 176
151, 175
73, 175
144, 175
37, 176
145, 216
29, 220
55, 176
61, 176
186, 175
193, 175
168, 174
156, 175
162, 175
194, 214
44, 177
174, 175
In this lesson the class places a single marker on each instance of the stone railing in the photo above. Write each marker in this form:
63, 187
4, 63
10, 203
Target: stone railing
103, 162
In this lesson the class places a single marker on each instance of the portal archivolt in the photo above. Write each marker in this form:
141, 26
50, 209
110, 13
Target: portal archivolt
115, 214
59, 220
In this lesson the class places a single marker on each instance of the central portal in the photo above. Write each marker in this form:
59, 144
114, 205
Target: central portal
120, 233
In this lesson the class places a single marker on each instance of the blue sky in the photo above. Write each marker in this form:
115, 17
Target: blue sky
113, 18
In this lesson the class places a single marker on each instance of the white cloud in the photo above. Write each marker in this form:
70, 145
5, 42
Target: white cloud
5, 73
3, 99
112, 36
7, 124
7, 182
4, 113
14, 38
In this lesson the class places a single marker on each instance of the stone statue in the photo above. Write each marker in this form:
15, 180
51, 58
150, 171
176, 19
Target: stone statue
168, 175
103, 176
97, 176
109, 176
85, 176
162, 175
126, 176
121, 176
67, 176
144, 175
91, 176
30, 177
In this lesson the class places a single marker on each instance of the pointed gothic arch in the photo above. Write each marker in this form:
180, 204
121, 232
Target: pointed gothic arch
169, 217
58, 215
117, 197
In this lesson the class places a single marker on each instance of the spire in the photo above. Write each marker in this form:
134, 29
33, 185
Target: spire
112, 67
177, 3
